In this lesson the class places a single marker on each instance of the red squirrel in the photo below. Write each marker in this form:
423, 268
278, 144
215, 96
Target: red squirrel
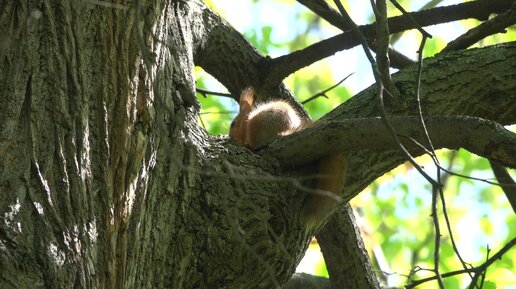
255, 126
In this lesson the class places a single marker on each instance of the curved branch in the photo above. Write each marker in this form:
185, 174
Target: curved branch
226, 55
482, 137
487, 28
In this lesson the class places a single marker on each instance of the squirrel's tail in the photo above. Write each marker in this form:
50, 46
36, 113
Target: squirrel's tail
327, 190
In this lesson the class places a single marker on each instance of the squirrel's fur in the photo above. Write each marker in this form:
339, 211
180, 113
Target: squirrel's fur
257, 125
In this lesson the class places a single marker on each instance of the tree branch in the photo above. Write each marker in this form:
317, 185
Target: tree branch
353, 126
506, 182
321, 8
346, 259
222, 43
479, 136
307, 281
325, 11
489, 27
323, 93
480, 268
217, 52
279, 68
382, 46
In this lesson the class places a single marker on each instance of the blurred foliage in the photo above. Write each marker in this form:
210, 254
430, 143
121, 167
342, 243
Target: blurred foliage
395, 210
217, 112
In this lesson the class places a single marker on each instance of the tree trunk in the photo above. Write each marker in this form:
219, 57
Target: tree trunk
107, 180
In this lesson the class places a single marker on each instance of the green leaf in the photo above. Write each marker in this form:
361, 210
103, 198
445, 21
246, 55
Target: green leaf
489, 285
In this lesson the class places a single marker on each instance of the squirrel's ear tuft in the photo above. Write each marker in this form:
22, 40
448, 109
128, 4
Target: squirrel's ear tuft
247, 96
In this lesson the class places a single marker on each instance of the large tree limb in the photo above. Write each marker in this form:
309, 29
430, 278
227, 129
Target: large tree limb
474, 82
482, 137
306, 281
344, 252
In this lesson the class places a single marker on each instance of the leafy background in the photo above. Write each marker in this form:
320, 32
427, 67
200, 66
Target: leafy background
394, 211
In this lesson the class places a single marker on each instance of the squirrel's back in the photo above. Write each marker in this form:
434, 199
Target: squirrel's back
256, 126
270, 120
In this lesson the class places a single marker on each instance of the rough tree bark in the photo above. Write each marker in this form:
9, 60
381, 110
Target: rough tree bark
107, 180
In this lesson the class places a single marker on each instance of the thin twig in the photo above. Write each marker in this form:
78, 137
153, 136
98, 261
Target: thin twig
479, 179
510, 184
356, 31
202, 122
484, 272
382, 45
323, 93
447, 219
486, 264
477, 275
217, 112
418, 95
448, 171
443, 180
437, 241
448, 226
438, 187
506, 182
418, 27
448, 223
205, 93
